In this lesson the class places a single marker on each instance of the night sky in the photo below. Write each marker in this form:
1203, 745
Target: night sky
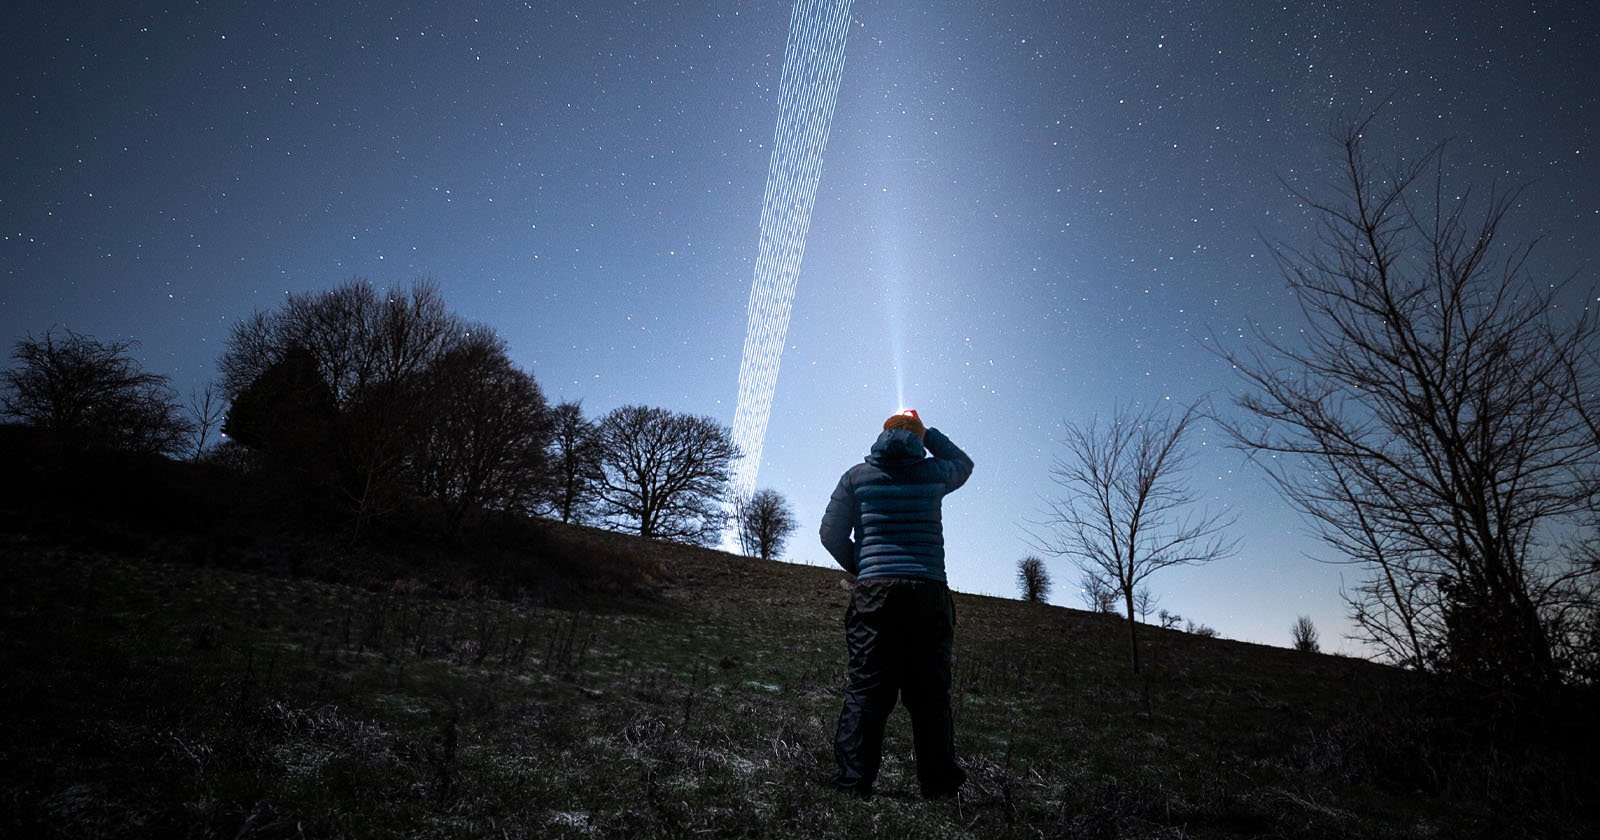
1029, 212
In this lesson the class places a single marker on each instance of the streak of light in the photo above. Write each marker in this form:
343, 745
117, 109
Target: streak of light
813, 63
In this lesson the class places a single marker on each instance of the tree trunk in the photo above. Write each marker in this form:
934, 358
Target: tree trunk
1133, 635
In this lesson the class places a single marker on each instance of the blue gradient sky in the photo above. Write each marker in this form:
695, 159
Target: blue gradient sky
1029, 212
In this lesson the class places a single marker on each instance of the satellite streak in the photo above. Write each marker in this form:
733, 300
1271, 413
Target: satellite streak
813, 63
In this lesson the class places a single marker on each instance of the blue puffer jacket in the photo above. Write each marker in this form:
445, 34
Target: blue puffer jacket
890, 505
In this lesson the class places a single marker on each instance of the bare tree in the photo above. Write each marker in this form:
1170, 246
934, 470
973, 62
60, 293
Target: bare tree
93, 394
362, 339
1427, 425
206, 409
764, 522
574, 461
1097, 592
484, 428
1304, 635
1144, 602
1033, 579
1125, 510
1200, 629
665, 474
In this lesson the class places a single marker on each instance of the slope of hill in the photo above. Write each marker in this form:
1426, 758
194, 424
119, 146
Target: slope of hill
182, 653
153, 697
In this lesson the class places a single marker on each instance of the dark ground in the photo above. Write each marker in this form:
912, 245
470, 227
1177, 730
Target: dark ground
183, 680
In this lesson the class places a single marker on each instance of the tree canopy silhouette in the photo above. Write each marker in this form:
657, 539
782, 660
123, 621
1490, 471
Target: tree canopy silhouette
665, 474
765, 521
93, 394
1033, 579
393, 396
483, 431
574, 458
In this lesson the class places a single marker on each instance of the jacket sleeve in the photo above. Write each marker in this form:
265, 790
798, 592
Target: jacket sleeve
957, 467
837, 523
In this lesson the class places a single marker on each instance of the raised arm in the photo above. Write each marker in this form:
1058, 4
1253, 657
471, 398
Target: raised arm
956, 464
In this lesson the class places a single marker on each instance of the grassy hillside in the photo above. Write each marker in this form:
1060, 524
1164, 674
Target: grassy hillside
153, 697
190, 652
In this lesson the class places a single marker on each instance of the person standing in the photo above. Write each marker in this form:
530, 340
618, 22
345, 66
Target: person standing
884, 526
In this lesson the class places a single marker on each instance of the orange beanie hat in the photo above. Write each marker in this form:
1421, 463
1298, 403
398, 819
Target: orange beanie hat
906, 420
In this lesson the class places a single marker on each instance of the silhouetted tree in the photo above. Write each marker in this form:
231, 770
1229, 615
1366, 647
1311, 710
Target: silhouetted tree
360, 338
1200, 629
1033, 579
764, 522
93, 394
1429, 423
574, 459
1144, 601
230, 454
1097, 593
665, 474
206, 410
287, 416
372, 351
1304, 635
1123, 514
482, 432
1579, 634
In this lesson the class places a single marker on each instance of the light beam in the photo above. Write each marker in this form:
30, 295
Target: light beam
813, 63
